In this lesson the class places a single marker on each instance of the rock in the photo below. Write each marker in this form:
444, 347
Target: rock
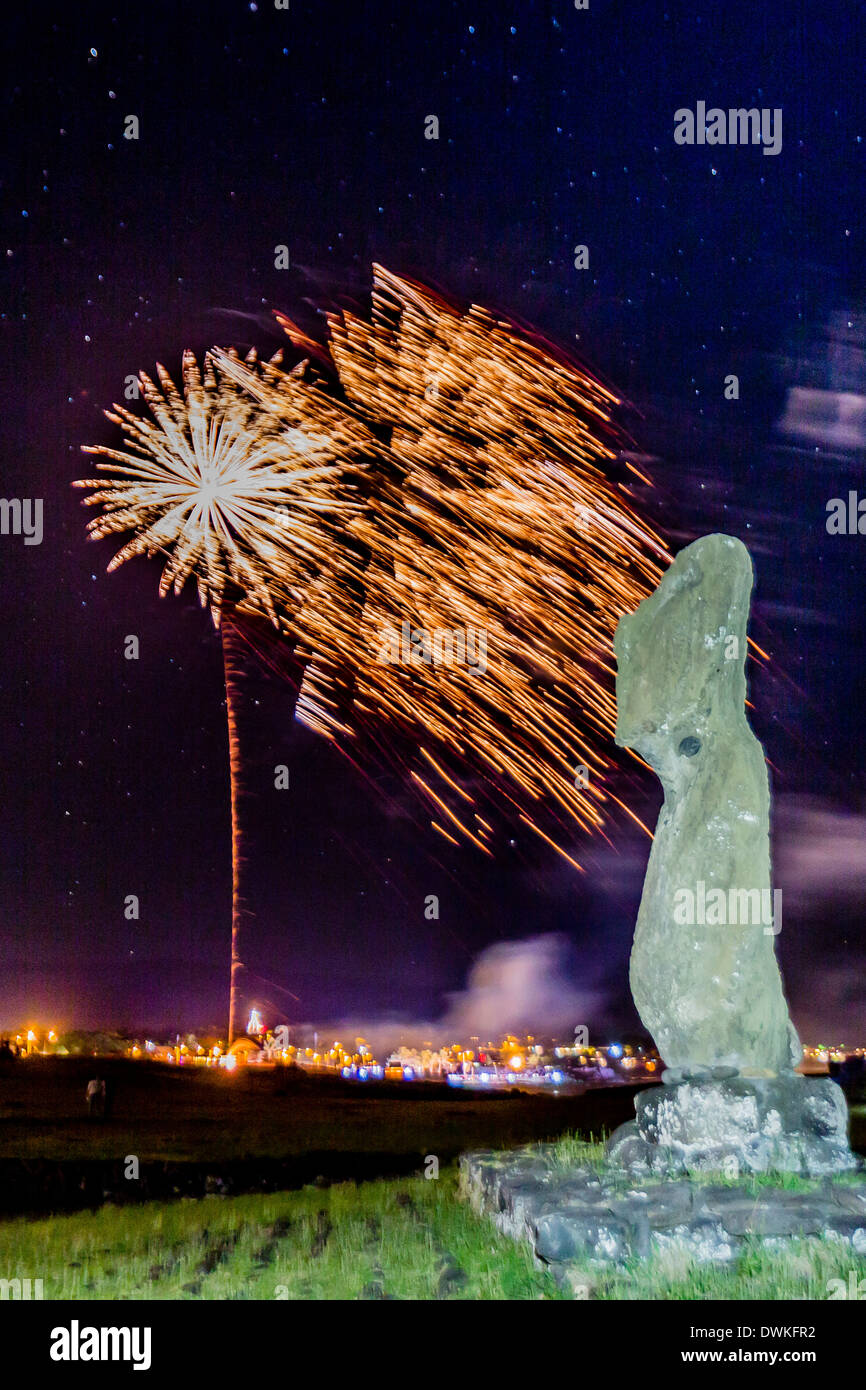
569, 1193
570, 1234
480, 1174
625, 1148
850, 1199
703, 1241
850, 1230
788, 1123
451, 1279
710, 1198
578, 1214
577, 1283
708, 988
772, 1215
663, 1205
858, 1240
636, 1217
520, 1203
628, 1151
825, 1111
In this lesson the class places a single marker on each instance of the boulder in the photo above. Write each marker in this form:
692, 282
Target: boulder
570, 1233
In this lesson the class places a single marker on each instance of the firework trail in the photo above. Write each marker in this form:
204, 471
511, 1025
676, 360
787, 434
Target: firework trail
459, 483
240, 491
494, 512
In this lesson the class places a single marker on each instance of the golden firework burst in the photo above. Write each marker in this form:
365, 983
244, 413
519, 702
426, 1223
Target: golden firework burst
505, 517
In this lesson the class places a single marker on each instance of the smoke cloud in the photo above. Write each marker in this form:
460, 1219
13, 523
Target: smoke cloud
513, 987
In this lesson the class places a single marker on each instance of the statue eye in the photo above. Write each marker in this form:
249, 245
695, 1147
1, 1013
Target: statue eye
689, 746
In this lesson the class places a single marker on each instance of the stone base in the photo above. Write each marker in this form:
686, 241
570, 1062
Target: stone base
784, 1124
578, 1217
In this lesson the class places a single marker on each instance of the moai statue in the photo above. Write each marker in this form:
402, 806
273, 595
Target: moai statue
704, 974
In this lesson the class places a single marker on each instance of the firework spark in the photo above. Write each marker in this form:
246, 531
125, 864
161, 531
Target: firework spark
467, 480
240, 497
500, 514
241, 490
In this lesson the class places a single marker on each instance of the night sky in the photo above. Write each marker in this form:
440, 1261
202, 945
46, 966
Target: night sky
305, 127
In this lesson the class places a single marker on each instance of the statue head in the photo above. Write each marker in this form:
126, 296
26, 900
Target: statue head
682, 665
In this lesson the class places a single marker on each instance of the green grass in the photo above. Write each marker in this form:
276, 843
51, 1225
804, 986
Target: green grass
316, 1244
801, 1272
405, 1239
396, 1239
571, 1149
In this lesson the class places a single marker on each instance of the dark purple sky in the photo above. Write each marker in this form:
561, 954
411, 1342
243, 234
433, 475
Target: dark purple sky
305, 127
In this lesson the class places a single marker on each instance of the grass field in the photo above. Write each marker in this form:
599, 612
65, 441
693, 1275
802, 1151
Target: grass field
163, 1113
408, 1239
404, 1238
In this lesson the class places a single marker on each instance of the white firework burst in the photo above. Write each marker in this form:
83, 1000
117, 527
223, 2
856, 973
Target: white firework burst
238, 491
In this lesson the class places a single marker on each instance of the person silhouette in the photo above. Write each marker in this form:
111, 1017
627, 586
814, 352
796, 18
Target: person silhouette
95, 1094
